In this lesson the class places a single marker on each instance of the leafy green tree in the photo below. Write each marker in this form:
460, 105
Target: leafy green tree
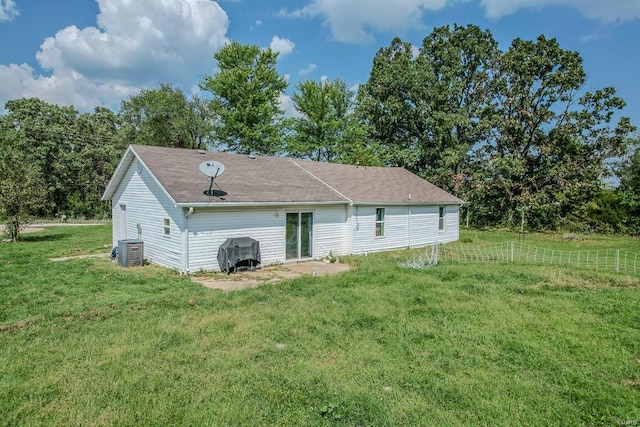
165, 117
99, 157
22, 188
74, 154
629, 189
426, 107
457, 66
551, 142
327, 129
514, 133
245, 99
389, 104
48, 142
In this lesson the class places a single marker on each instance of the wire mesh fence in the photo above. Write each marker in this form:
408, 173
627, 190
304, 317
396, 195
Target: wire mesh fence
615, 260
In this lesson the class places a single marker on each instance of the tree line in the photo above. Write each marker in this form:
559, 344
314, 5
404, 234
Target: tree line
513, 133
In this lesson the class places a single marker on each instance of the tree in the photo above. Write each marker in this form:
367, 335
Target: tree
327, 130
245, 102
74, 154
165, 117
99, 157
389, 105
427, 109
629, 189
550, 141
48, 141
458, 67
22, 189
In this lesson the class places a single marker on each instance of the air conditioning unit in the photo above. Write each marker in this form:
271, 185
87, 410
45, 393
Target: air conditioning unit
130, 253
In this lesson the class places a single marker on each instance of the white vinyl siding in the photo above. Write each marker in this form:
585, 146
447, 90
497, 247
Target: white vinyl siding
147, 205
405, 226
209, 228
425, 224
331, 231
364, 234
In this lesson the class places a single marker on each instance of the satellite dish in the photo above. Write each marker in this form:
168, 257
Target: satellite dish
211, 168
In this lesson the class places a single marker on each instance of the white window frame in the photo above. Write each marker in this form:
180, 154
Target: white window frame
166, 227
379, 223
442, 219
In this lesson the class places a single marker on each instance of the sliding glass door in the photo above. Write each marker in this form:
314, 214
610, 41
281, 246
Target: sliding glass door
299, 235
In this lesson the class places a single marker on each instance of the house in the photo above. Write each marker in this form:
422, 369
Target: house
296, 209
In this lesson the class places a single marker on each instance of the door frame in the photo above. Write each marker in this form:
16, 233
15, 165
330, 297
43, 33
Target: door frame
299, 239
122, 219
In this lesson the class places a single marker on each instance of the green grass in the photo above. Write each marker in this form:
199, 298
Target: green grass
84, 342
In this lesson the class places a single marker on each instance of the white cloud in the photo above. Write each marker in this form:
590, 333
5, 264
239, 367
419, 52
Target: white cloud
282, 46
134, 44
288, 106
607, 12
356, 20
64, 88
8, 10
309, 69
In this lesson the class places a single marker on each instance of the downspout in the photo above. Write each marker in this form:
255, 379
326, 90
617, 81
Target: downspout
409, 222
185, 239
349, 242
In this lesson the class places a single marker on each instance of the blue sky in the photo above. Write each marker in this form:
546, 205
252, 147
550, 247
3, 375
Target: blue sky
89, 53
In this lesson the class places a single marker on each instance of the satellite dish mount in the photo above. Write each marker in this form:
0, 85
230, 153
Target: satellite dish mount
213, 169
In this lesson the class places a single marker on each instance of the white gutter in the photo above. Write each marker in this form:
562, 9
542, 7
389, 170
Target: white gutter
256, 204
408, 203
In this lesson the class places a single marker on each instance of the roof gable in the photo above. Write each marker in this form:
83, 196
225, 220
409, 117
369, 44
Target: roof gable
258, 180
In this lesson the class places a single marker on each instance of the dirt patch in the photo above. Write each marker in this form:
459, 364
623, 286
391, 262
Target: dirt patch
269, 274
28, 229
67, 258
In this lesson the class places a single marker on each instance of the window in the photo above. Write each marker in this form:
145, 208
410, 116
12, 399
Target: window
166, 226
379, 222
441, 219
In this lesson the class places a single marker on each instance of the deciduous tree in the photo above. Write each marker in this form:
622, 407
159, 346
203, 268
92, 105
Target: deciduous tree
551, 140
327, 129
23, 191
166, 117
245, 99
73, 153
426, 105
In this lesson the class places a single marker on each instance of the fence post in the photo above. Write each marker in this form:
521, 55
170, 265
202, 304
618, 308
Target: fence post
617, 260
512, 245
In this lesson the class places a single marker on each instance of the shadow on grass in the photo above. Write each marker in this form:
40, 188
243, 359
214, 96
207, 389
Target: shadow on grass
44, 237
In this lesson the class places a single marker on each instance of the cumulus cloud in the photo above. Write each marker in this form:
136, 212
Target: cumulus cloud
288, 106
607, 12
356, 20
134, 44
282, 46
309, 69
8, 10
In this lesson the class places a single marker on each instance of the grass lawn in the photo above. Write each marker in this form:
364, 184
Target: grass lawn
84, 342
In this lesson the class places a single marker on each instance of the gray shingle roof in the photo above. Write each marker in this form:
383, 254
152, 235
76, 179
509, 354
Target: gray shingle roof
365, 184
259, 179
